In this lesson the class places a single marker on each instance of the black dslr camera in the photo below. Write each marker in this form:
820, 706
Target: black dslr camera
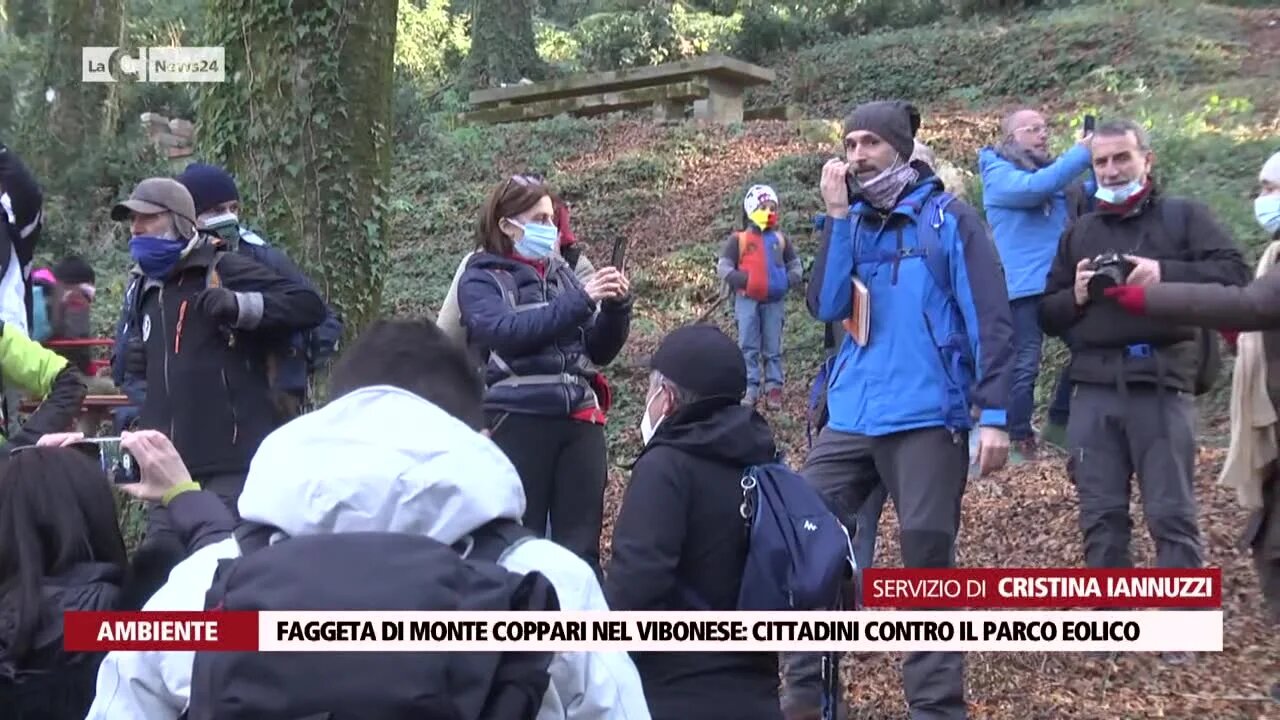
1110, 270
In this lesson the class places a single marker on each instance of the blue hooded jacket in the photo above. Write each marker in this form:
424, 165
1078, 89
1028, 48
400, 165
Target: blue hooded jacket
905, 377
1028, 213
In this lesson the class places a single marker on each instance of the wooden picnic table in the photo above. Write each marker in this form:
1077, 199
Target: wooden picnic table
713, 83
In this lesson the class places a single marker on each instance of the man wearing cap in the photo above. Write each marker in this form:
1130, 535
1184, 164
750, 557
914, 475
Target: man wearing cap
217, 202
901, 400
679, 531
759, 265
201, 348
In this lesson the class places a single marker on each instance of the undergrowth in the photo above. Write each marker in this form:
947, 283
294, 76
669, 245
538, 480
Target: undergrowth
1078, 48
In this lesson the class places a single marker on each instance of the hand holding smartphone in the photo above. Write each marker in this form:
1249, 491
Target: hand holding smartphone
120, 467
1089, 123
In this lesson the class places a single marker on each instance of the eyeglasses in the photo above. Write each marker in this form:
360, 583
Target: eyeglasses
1034, 129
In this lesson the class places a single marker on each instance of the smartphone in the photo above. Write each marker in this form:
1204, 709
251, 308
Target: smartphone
851, 184
119, 466
619, 256
1089, 122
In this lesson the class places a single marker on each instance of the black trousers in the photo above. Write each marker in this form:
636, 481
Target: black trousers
563, 466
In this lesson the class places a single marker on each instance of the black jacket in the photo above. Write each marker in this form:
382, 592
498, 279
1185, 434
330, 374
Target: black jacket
48, 683
207, 386
1191, 247
679, 536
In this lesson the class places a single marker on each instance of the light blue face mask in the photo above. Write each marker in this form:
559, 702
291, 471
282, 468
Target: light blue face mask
1266, 208
538, 242
1116, 196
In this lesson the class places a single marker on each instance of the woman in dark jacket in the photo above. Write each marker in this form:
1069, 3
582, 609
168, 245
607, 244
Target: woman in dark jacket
543, 333
61, 549
1232, 309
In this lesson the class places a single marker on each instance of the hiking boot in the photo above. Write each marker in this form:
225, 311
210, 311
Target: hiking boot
773, 400
751, 398
1055, 435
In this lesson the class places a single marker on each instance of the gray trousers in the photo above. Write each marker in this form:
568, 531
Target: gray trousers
925, 473
1114, 435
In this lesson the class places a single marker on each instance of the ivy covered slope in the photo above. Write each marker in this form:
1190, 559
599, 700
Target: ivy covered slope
675, 193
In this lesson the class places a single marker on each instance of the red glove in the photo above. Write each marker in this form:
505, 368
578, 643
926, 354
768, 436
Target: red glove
1130, 297
1230, 337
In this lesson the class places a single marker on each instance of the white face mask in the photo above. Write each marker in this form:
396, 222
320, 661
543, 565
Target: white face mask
647, 428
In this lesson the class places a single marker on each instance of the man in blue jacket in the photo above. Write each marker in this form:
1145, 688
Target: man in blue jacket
1027, 195
900, 403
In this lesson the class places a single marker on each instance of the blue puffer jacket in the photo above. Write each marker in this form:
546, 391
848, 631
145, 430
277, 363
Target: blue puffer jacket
912, 373
1028, 213
541, 352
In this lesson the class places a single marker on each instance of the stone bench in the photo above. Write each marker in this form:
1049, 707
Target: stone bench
714, 84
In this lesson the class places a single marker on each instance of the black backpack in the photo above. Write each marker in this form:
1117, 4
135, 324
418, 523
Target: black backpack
370, 572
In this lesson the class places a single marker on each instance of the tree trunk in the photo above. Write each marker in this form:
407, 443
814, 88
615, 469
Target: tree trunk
502, 44
75, 115
303, 122
27, 17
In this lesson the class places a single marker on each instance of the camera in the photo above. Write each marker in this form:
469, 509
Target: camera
1110, 270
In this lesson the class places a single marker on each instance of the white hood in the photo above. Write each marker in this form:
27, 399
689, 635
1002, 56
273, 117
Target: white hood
380, 459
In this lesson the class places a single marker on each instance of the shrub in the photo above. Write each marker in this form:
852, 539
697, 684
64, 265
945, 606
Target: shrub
430, 42
660, 33
1076, 48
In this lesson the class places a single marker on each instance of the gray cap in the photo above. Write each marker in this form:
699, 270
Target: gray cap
895, 121
158, 195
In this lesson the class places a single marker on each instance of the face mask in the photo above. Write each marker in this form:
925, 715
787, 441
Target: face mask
1266, 209
763, 219
538, 242
647, 429
1117, 195
883, 191
156, 256
225, 226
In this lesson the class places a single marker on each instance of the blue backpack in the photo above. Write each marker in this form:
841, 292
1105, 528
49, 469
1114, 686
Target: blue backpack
798, 554
929, 232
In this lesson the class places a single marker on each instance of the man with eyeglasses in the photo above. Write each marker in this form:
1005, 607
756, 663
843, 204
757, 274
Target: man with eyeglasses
1029, 197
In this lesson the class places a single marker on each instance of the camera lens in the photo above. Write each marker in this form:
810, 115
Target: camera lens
1107, 276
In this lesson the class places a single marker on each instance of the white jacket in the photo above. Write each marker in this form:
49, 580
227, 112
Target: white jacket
379, 459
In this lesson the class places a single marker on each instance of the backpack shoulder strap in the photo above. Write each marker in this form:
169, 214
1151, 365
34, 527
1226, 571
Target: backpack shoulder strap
252, 537
1175, 214
506, 284
493, 540
212, 278
929, 229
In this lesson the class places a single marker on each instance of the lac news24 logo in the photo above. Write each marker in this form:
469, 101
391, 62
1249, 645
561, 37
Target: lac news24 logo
155, 64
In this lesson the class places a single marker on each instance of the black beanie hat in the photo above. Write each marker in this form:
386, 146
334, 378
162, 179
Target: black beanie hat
703, 360
895, 121
73, 270
209, 185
